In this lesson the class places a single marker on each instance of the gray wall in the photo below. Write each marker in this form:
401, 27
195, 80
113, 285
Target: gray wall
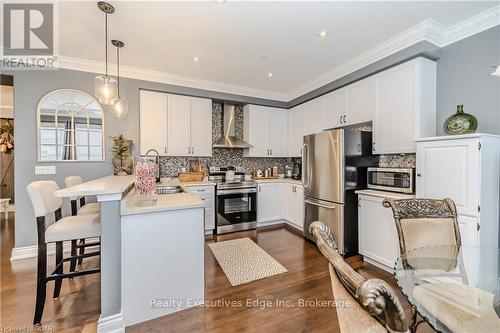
463, 77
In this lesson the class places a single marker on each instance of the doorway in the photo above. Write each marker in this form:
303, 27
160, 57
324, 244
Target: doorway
6, 146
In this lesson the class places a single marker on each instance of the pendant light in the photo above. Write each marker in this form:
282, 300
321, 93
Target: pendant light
119, 109
105, 86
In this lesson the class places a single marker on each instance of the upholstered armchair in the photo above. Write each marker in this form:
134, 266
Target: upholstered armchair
368, 305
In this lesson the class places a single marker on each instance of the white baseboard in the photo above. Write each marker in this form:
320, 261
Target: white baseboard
111, 324
378, 264
268, 223
26, 252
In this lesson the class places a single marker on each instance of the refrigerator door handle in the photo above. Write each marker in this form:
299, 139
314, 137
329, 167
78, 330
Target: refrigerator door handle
314, 203
305, 168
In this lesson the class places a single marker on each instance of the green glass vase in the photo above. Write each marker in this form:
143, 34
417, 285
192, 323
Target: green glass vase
460, 122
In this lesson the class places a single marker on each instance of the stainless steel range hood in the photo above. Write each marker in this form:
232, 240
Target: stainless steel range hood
228, 139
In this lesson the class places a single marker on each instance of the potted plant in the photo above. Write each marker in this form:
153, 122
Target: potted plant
6, 137
122, 160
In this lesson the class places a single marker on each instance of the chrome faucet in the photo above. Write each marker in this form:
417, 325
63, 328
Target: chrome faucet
157, 162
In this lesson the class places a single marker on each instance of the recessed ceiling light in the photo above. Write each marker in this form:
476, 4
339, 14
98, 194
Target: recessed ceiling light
220, 1
270, 74
196, 59
323, 33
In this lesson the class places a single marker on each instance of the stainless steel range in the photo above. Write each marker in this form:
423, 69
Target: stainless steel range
236, 203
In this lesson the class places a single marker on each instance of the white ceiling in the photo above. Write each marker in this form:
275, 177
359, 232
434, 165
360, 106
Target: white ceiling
230, 38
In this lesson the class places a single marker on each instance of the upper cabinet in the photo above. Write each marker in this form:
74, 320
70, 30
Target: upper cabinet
313, 115
266, 129
201, 126
404, 107
350, 105
295, 131
175, 125
153, 121
358, 102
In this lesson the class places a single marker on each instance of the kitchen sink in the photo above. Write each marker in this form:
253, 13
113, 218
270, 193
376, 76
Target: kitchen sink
168, 189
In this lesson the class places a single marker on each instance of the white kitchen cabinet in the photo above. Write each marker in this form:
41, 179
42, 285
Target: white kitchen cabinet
278, 132
404, 107
201, 126
465, 168
468, 230
313, 115
153, 121
377, 234
295, 131
207, 194
266, 129
334, 109
359, 98
175, 125
293, 204
179, 125
269, 202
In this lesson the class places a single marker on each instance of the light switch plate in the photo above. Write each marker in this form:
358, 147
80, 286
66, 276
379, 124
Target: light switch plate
45, 169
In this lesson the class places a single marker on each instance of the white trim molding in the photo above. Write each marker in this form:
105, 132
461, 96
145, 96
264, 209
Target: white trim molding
111, 324
428, 30
168, 78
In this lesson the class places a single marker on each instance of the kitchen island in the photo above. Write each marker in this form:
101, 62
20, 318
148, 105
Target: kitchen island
151, 256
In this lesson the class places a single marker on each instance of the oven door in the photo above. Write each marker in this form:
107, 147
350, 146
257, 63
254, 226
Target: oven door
236, 209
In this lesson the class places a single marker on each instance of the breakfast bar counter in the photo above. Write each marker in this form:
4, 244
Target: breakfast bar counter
149, 253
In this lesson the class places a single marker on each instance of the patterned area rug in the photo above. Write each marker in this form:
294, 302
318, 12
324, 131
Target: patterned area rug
244, 261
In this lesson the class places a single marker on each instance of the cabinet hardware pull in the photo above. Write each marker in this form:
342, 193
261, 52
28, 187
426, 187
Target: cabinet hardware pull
341, 119
259, 188
271, 152
345, 121
419, 175
165, 149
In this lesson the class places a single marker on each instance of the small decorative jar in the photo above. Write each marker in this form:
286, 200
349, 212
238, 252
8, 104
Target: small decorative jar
460, 122
145, 178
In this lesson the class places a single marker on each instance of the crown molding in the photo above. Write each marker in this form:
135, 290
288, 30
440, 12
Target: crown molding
473, 25
85, 65
428, 30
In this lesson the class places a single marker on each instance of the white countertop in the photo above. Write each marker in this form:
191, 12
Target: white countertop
100, 186
385, 194
176, 181
279, 180
165, 202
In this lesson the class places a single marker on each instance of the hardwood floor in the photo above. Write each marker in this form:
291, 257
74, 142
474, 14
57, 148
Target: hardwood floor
77, 310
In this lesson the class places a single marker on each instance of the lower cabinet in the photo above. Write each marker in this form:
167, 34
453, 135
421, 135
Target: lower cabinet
207, 194
293, 204
281, 201
378, 237
268, 202
469, 233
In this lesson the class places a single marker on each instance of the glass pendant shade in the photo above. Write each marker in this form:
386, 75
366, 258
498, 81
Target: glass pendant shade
120, 108
106, 89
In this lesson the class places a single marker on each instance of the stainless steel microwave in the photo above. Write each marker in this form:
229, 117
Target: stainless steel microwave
392, 179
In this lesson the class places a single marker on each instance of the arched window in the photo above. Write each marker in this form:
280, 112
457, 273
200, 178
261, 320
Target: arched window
70, 127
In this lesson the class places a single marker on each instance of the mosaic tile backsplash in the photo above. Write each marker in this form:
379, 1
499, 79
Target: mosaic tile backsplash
221, 157
170, 166
397, 161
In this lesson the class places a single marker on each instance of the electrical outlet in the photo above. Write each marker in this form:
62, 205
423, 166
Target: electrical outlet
45, 169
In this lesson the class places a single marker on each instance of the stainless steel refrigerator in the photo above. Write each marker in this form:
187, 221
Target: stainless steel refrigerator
334, 166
